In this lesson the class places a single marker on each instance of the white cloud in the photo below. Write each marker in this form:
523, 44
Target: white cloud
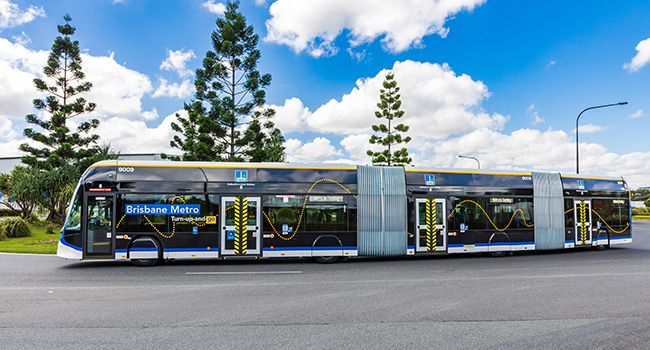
117, 90
165, 89
6, 129
637, 114
260, 2
216, 8
11, 15
176, 61
314, 25
357, 146
18, 68
134, 136
642, 57
320, 149
437, 103
291, 116
590, 128
22, 39
533, 114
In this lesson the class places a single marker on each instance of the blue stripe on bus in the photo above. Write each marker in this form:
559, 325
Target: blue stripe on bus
490, 244
622, 237
308, 248
189, 250
68, 244
143, 249
502, 243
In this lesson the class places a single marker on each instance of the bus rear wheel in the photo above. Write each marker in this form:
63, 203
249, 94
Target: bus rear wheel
327, 259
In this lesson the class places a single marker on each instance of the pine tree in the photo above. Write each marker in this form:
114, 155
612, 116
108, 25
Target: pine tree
266, 143
231, 84
65, 154
199, 132
389, 109
61, 145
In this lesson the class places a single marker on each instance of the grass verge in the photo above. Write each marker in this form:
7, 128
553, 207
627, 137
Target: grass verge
38, 243
638, 217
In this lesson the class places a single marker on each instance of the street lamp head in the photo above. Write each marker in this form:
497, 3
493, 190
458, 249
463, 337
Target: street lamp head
622, 103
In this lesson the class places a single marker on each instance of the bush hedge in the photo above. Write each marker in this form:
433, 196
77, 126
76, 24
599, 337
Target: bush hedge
14, 228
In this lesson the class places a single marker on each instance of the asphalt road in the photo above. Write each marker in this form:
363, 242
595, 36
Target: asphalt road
574, 299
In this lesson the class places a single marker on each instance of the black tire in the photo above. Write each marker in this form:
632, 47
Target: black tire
498, 254
327, 259
599, 247
149, 262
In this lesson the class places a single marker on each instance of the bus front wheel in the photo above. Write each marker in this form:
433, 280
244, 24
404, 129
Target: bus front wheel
149, 243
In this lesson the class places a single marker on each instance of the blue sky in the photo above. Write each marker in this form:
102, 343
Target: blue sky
499, 80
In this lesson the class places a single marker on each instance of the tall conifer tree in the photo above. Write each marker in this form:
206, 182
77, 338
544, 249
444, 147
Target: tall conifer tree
65, 154
390, 110
61, 145
230, 82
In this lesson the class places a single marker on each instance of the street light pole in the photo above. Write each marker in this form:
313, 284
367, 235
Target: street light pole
577, 119
469, 157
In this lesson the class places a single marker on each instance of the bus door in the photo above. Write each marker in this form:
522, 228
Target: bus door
241, 226
582, 216
430, 225
99, 217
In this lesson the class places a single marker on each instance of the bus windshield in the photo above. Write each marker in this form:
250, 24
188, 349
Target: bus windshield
73, 221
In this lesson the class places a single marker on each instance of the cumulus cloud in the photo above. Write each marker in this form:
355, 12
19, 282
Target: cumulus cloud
176, 61
6, 129
127, 135
12, 16
117, 90
320, 149
181, 90
214, 7
590, 128
437, 103
291, 116
18, 66
313, 26
642, 57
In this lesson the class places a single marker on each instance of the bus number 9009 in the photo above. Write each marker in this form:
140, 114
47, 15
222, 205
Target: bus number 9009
127, 169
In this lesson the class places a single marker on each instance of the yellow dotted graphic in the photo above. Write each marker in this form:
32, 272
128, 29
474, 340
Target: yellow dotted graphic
488, 217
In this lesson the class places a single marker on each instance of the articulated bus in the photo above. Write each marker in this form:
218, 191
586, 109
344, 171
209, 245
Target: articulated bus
150, 212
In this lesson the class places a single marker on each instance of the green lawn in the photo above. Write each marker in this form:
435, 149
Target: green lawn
38, 243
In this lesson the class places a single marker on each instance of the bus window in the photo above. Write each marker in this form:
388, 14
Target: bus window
284, 210
73, 221
468, 211
72, 228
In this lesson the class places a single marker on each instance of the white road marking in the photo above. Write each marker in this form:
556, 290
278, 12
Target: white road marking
244, 273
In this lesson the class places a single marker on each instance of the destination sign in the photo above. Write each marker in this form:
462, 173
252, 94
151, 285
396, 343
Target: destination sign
162, 209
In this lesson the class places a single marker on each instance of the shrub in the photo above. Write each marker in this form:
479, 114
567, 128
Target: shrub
9, 212
51, 228
15, 227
